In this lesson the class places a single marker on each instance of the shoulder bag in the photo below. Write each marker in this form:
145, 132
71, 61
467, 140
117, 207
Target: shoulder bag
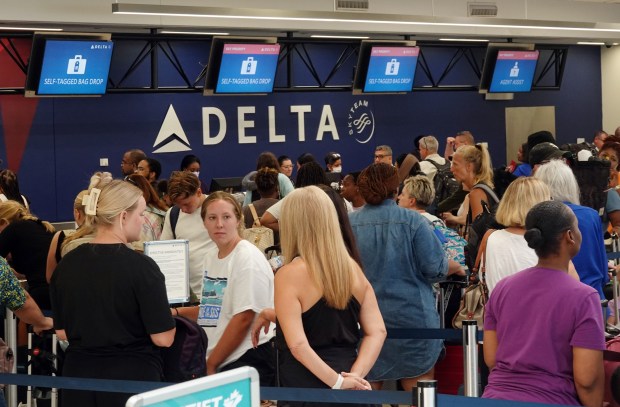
260, 236
476, 294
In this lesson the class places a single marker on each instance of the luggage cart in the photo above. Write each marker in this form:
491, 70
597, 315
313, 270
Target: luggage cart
33, 393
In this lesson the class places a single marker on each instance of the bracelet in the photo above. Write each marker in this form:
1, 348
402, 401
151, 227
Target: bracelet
177, 311
338, 384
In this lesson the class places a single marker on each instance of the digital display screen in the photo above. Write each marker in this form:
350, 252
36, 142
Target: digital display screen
514, 71
391, 69
248, 68
75, 67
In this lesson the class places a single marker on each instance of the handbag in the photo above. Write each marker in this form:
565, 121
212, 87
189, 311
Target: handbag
260, 236
476, 294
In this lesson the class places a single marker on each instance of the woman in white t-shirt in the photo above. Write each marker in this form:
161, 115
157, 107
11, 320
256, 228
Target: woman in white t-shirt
507, 251
237, 285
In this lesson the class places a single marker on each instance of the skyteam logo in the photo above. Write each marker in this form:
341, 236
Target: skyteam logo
361, 121
171, 137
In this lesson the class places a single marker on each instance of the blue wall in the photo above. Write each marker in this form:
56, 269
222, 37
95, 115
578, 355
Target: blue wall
69, 136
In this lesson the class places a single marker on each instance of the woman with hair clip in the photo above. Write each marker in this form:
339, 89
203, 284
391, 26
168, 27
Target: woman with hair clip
402, 258
543, 331
9, 188
320, 300
110, 302
154, 214
64, 240
25, 240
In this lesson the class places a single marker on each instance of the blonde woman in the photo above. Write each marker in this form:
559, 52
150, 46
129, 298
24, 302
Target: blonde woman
110, 302
472, 166
319, 301
26, 239
507, 251
65, 240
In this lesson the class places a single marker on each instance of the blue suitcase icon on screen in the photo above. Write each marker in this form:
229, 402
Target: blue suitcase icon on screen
76, 65
248, 66
392, 67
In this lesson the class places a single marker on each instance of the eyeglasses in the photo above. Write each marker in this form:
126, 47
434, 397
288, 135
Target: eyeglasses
380, 156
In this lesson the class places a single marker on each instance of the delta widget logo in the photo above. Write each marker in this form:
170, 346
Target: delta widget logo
361, 121
171, 137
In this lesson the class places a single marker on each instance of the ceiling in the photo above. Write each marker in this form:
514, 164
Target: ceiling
541, 21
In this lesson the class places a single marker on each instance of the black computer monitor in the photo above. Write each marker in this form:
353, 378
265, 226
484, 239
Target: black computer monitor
230, 184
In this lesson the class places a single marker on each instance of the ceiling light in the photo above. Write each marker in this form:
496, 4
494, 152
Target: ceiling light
191, 32
347, 17
29, 29
350, 37
590, 43
463, 40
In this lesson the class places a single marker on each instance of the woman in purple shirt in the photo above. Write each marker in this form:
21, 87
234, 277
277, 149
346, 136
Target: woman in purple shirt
543, 330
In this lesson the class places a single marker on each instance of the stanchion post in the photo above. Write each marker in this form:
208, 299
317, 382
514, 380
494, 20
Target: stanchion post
616, 305
442, 310
470, 357
427, 393
10, 333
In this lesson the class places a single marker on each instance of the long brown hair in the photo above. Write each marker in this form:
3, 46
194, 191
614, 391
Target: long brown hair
150, 196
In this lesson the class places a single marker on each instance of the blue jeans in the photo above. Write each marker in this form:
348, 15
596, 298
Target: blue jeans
2, 400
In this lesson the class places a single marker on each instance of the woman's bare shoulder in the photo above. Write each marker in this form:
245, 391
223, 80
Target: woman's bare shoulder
293, 273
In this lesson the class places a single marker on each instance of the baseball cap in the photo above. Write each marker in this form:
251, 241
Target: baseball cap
545, 152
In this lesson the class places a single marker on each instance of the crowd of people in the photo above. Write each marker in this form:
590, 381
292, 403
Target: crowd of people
362, 252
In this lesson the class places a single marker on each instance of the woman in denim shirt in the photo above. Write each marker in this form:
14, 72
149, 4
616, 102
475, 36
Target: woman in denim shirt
402, 258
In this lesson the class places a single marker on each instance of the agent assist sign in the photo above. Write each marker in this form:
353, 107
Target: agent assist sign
514, 71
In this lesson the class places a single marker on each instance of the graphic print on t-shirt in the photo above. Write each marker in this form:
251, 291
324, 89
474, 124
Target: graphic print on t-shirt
211, 302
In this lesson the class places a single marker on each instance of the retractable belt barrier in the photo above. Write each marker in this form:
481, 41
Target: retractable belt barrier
277, 393
269, 393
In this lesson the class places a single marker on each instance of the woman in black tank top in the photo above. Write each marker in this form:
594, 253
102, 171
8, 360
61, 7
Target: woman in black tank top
321, 301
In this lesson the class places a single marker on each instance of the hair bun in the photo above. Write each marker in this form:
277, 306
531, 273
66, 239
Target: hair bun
534, 238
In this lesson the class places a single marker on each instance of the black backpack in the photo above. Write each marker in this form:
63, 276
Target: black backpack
444, 182
476, 228
186, 359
